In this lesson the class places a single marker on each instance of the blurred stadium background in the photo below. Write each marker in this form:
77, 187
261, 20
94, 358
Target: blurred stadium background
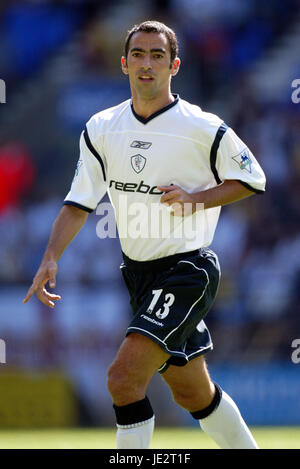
60, 62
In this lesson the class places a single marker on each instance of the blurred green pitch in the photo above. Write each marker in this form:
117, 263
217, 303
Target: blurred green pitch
164, 438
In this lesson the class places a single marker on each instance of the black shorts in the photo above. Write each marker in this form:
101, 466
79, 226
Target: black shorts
170, 297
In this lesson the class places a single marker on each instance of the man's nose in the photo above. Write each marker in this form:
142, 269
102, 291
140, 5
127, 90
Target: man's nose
146, 65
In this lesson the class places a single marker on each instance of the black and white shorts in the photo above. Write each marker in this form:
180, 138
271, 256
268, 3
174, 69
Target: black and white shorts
170, 297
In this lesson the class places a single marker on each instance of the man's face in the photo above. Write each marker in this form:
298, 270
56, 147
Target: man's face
149, 65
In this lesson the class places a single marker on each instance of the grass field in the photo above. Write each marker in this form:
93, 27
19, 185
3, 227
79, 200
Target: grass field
164, 438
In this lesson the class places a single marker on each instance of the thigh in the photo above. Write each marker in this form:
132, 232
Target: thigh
192, 381
137, 360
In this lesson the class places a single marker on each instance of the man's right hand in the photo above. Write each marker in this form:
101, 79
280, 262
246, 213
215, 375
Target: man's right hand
46, 272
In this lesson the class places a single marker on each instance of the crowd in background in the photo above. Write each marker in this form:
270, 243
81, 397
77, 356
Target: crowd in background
258, 240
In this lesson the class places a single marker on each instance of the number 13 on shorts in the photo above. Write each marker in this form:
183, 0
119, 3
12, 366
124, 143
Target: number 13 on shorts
169, 300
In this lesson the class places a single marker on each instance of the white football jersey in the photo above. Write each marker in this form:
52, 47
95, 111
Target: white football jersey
129, 156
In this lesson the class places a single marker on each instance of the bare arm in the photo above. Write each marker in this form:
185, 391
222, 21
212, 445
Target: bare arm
228, 192
66, 226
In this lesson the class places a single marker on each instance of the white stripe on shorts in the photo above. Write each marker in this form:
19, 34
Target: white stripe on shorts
207, 283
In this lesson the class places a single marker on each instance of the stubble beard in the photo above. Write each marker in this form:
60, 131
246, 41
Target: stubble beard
146, 91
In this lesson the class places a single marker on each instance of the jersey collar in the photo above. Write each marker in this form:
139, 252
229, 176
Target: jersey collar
145, 120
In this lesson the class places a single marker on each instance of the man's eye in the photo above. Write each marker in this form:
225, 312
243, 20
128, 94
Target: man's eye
158, 56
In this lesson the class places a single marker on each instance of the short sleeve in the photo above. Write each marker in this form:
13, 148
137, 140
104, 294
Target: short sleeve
235, 161
89, 184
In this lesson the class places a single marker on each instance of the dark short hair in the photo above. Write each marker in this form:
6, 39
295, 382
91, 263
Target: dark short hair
154, 27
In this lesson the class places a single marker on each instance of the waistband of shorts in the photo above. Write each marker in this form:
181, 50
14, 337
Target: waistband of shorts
157, 265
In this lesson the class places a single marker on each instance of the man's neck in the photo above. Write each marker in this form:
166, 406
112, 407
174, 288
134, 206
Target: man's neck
146, 107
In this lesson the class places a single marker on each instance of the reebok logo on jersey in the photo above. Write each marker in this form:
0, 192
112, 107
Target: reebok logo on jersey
132, 187
243, 160
138, 163
142, 145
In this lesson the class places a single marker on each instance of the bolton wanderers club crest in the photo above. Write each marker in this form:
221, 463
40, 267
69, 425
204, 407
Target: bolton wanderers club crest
138, 163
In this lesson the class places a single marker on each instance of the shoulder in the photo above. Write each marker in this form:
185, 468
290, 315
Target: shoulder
203, 123
104, 120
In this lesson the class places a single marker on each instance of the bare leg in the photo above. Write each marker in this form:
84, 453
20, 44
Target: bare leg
216, 412
136, 362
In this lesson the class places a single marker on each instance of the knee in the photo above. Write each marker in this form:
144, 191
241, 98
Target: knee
184, 398
193, 400
116, 381
123, 385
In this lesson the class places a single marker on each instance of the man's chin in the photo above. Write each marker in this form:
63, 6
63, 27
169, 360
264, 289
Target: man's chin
146, 92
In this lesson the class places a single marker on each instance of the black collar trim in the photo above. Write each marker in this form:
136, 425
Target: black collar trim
145, 120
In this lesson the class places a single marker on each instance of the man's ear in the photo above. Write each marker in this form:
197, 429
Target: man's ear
124, 65
175, 66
